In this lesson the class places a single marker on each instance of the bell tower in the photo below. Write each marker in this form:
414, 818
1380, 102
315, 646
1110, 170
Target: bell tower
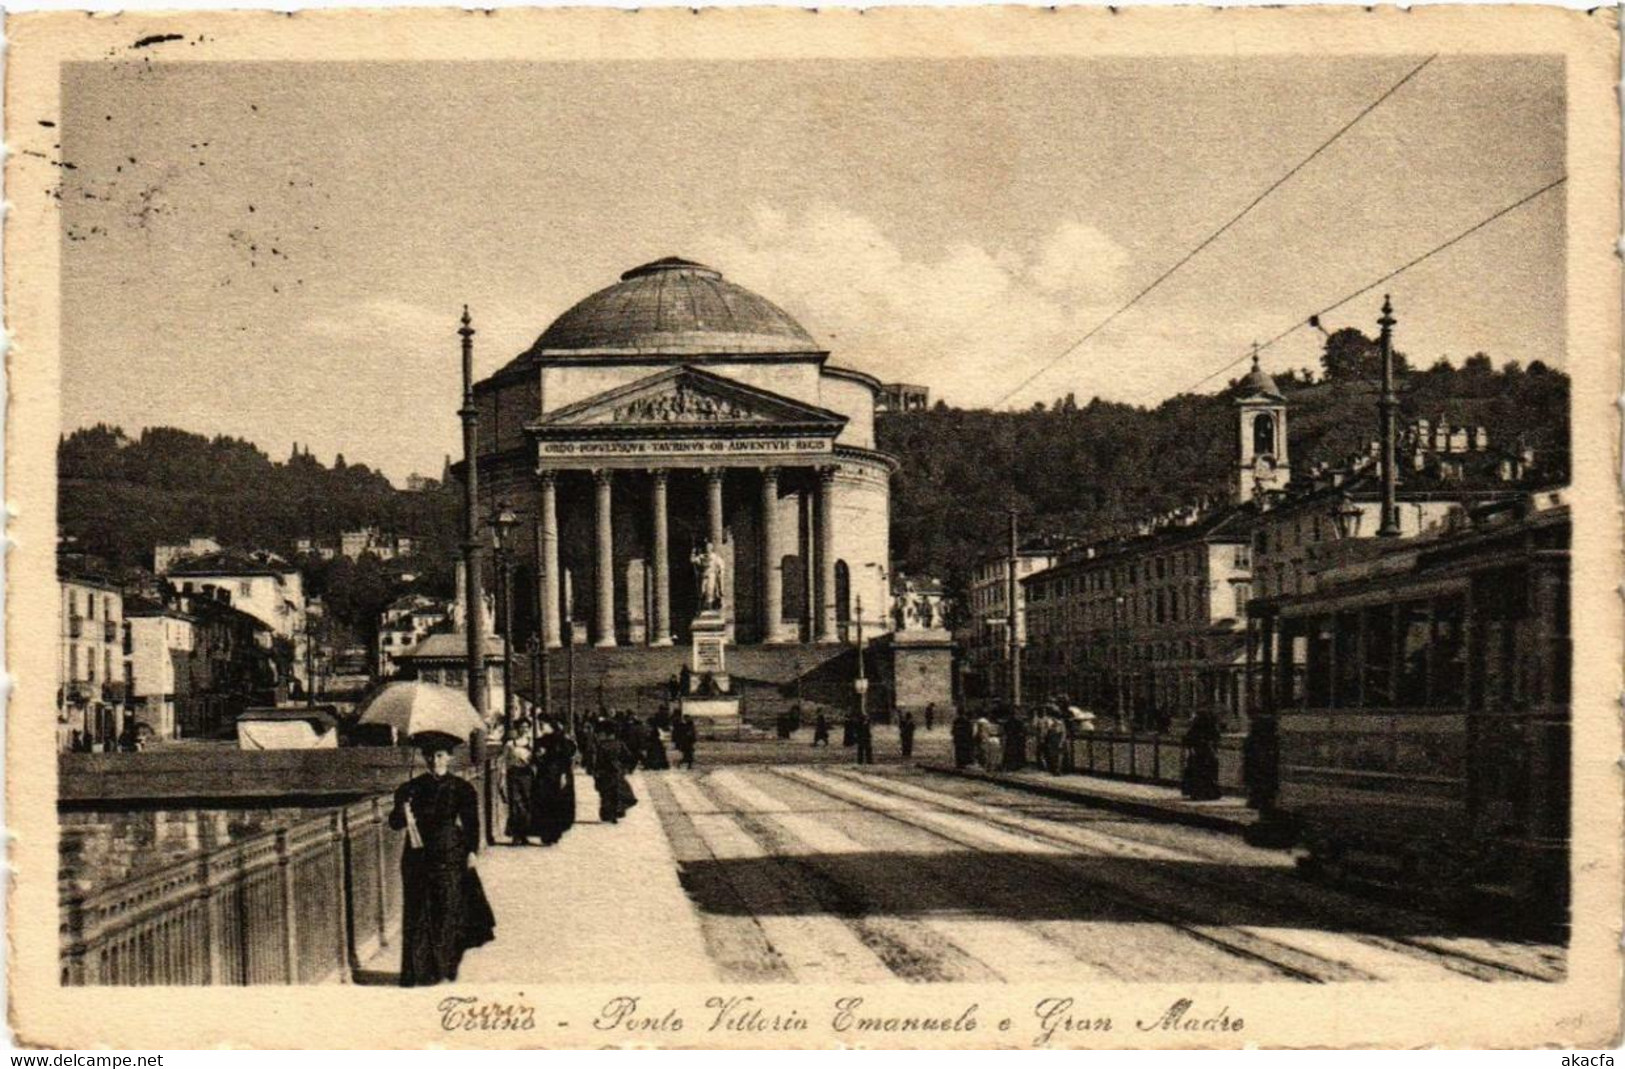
1261, 459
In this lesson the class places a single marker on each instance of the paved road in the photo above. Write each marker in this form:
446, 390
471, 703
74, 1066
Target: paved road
824, 874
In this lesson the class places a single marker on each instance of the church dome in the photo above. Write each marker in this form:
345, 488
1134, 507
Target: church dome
675, 306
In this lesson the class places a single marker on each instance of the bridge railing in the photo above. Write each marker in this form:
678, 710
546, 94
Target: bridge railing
301, 904
1150, 757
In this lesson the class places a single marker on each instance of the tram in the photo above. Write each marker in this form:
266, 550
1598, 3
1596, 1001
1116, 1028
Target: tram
1419, 700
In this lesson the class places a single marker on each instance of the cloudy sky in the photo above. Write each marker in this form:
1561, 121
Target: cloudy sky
280, 251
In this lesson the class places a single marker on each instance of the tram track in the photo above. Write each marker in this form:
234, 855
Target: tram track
1481, 962
1385, 938
1070, 877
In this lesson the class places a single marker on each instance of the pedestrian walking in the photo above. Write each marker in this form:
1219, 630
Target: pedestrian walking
684, 737
443, 907
987, 744
1200, 780
636, 737
518, 782
905, 733
1015, 742
821, 730
930, 716
864, 738
553, 795
609, 774
963, 732
849, 730
654, 750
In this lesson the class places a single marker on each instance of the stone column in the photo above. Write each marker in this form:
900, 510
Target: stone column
824, 551
713, 506
772, 576
661, 633
547, 529
603, 480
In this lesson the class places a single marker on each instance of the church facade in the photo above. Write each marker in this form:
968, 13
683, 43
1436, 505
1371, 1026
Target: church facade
671, 412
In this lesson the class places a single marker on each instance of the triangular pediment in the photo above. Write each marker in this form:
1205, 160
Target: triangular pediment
686, 397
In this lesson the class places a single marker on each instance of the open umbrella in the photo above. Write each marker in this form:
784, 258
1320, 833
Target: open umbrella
413, 708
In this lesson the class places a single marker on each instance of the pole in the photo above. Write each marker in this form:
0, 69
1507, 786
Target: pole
1386, 410
863, 679
1013, 591
474, 624
310, 664
570, 671
542, 679
505, 592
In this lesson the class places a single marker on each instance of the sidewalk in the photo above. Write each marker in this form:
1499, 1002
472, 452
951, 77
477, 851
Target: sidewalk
602, 906
1153, 801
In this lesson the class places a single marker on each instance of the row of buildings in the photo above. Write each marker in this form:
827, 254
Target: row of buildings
179, 651
1150, 628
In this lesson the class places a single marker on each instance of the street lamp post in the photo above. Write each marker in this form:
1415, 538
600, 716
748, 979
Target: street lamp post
1122, 653
502, 524
861, 685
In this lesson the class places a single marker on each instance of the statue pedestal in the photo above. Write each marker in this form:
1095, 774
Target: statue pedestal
709, 700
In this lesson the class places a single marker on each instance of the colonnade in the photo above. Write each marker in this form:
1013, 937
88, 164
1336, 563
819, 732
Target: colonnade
775, 630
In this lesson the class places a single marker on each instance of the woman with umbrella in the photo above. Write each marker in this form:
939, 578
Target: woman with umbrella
443, 907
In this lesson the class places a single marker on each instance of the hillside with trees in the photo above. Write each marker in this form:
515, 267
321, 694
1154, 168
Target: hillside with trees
1088, 470
119, 496
1072, 470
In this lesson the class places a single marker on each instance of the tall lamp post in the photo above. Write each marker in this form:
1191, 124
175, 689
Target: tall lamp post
860, 686
502, 525
1122, 654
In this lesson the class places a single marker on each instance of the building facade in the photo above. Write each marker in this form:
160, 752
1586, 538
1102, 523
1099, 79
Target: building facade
1149, 631
671, 411
404, 623
985, 638
91, 674
160, 642
260, 584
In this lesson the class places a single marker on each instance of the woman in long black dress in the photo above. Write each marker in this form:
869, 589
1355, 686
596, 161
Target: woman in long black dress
553, 794
654, 750
443, 908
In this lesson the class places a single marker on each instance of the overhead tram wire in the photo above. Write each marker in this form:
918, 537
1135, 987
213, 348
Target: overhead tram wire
1368, 287
1211, 238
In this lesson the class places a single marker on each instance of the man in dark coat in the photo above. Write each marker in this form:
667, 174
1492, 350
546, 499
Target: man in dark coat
636, 737
864, 737
443, 909
930, 716
1015, 743
609, 773
905, 732
963, 731
684, 737
821, 730
553, 795
1201, 779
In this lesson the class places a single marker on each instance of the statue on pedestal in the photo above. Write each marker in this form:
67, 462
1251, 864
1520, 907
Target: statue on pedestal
708, 568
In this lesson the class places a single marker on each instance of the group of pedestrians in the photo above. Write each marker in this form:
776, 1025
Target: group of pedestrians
538, 784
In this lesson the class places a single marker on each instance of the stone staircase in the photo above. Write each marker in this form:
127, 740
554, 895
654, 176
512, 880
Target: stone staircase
767, 678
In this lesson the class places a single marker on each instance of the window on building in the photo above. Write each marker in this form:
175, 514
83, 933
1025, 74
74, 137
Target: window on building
1449, 652
1379, 657
73, 664
1244, 556
1413, 636
90, 605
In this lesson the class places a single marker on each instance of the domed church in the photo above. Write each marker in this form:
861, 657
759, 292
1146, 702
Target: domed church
672, 410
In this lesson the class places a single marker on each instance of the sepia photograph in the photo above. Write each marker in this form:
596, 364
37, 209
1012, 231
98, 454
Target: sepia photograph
978, 529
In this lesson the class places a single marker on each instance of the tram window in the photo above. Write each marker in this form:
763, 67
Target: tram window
1319, 682
1290, 651
1449, 652
1378, 658
1346, 644
1413, 654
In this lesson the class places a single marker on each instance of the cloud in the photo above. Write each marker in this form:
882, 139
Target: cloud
971, 322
